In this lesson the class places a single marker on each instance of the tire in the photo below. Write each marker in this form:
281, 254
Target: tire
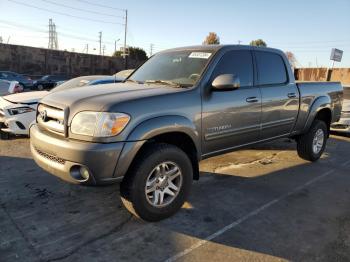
40, 87
4, 135
306, 142
133, 187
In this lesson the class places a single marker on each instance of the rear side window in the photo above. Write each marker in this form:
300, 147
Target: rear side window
239, 63
271, 68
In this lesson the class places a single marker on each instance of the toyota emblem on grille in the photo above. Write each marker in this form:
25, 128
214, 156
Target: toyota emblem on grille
43, 115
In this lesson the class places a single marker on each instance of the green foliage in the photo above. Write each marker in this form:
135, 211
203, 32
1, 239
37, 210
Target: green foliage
258, 42
134, 53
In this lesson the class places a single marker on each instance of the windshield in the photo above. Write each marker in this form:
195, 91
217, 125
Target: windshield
182, 68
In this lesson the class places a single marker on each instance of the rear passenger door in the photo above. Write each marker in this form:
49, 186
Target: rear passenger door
231, 118
280, 97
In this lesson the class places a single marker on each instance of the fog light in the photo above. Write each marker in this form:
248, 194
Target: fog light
80, 173
84, 173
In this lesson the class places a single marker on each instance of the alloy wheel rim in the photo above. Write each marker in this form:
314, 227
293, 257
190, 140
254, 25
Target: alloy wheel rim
318, 141
163, 184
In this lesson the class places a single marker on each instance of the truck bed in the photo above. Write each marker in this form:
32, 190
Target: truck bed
332, 92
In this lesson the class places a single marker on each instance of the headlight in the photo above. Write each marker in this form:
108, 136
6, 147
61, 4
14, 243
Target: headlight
20, 110
99, 124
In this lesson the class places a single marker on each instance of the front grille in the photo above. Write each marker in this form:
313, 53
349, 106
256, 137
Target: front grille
50, 157
51, 118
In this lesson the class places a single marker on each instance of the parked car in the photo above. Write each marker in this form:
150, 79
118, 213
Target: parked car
9, 87
124, 73
181, 106
48, 82
18, 111
343, 125
24, 82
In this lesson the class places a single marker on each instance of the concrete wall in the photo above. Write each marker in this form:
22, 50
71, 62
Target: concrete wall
320, 74
39, 61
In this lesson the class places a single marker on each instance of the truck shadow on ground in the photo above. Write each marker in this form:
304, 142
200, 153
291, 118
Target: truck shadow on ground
59, 221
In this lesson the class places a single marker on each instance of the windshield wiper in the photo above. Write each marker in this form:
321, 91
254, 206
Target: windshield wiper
166, 82
133, 81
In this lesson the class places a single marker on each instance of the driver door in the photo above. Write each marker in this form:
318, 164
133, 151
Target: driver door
231, 118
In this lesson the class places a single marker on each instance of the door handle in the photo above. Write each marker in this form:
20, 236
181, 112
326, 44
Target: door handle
252, 99
292, 95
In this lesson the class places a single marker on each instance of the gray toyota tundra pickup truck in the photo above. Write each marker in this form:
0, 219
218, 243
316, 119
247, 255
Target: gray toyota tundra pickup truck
181, 106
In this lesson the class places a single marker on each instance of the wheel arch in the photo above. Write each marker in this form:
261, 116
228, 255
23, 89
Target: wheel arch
321, 109
174, 130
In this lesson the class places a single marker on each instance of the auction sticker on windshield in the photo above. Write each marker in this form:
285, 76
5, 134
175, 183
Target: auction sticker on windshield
202, 55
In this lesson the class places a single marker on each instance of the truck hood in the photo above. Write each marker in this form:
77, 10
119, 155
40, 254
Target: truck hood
26, 97
103, 97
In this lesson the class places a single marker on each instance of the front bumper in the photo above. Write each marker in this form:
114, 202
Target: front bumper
18, 125
64, 157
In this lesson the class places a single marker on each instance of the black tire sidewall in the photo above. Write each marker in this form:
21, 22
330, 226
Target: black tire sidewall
141, 205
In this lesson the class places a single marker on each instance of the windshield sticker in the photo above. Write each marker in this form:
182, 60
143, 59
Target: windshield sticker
201, 55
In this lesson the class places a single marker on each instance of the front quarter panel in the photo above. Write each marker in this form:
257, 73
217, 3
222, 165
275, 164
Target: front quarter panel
149, 129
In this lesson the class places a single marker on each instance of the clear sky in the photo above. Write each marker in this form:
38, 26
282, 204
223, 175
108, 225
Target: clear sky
308, 28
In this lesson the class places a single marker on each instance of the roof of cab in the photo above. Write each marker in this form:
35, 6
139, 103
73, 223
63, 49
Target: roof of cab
216, 48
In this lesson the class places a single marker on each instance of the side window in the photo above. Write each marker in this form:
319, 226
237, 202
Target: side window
271, 68
239, 63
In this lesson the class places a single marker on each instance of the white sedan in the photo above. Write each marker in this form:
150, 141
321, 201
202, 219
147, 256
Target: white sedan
18, 111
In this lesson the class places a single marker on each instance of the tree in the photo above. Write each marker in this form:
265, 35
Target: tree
134, 53
291, 58
258, 42
212, 39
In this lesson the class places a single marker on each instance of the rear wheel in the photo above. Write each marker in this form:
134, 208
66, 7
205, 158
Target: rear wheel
158, 183
40, 87
311, 145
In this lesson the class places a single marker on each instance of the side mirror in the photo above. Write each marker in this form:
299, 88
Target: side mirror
226, 82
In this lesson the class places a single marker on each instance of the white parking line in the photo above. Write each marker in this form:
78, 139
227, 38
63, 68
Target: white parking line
249, 215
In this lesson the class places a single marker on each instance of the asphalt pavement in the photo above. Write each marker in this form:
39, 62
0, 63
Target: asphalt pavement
257, 204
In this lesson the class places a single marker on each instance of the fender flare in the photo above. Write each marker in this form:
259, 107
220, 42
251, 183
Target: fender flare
322, 102
150, 128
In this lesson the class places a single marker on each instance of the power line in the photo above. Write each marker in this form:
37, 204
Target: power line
64, 14
80, 9
104, 6
14, 24
61, 33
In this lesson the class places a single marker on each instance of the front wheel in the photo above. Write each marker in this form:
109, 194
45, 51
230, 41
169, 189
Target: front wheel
311, 145
158, 183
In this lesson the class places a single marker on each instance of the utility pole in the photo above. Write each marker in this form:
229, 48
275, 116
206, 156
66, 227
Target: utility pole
100, 40
239, 42
87, 48
125, 32
151, 49
103, 50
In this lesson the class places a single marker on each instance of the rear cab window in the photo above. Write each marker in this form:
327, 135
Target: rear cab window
271, 68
